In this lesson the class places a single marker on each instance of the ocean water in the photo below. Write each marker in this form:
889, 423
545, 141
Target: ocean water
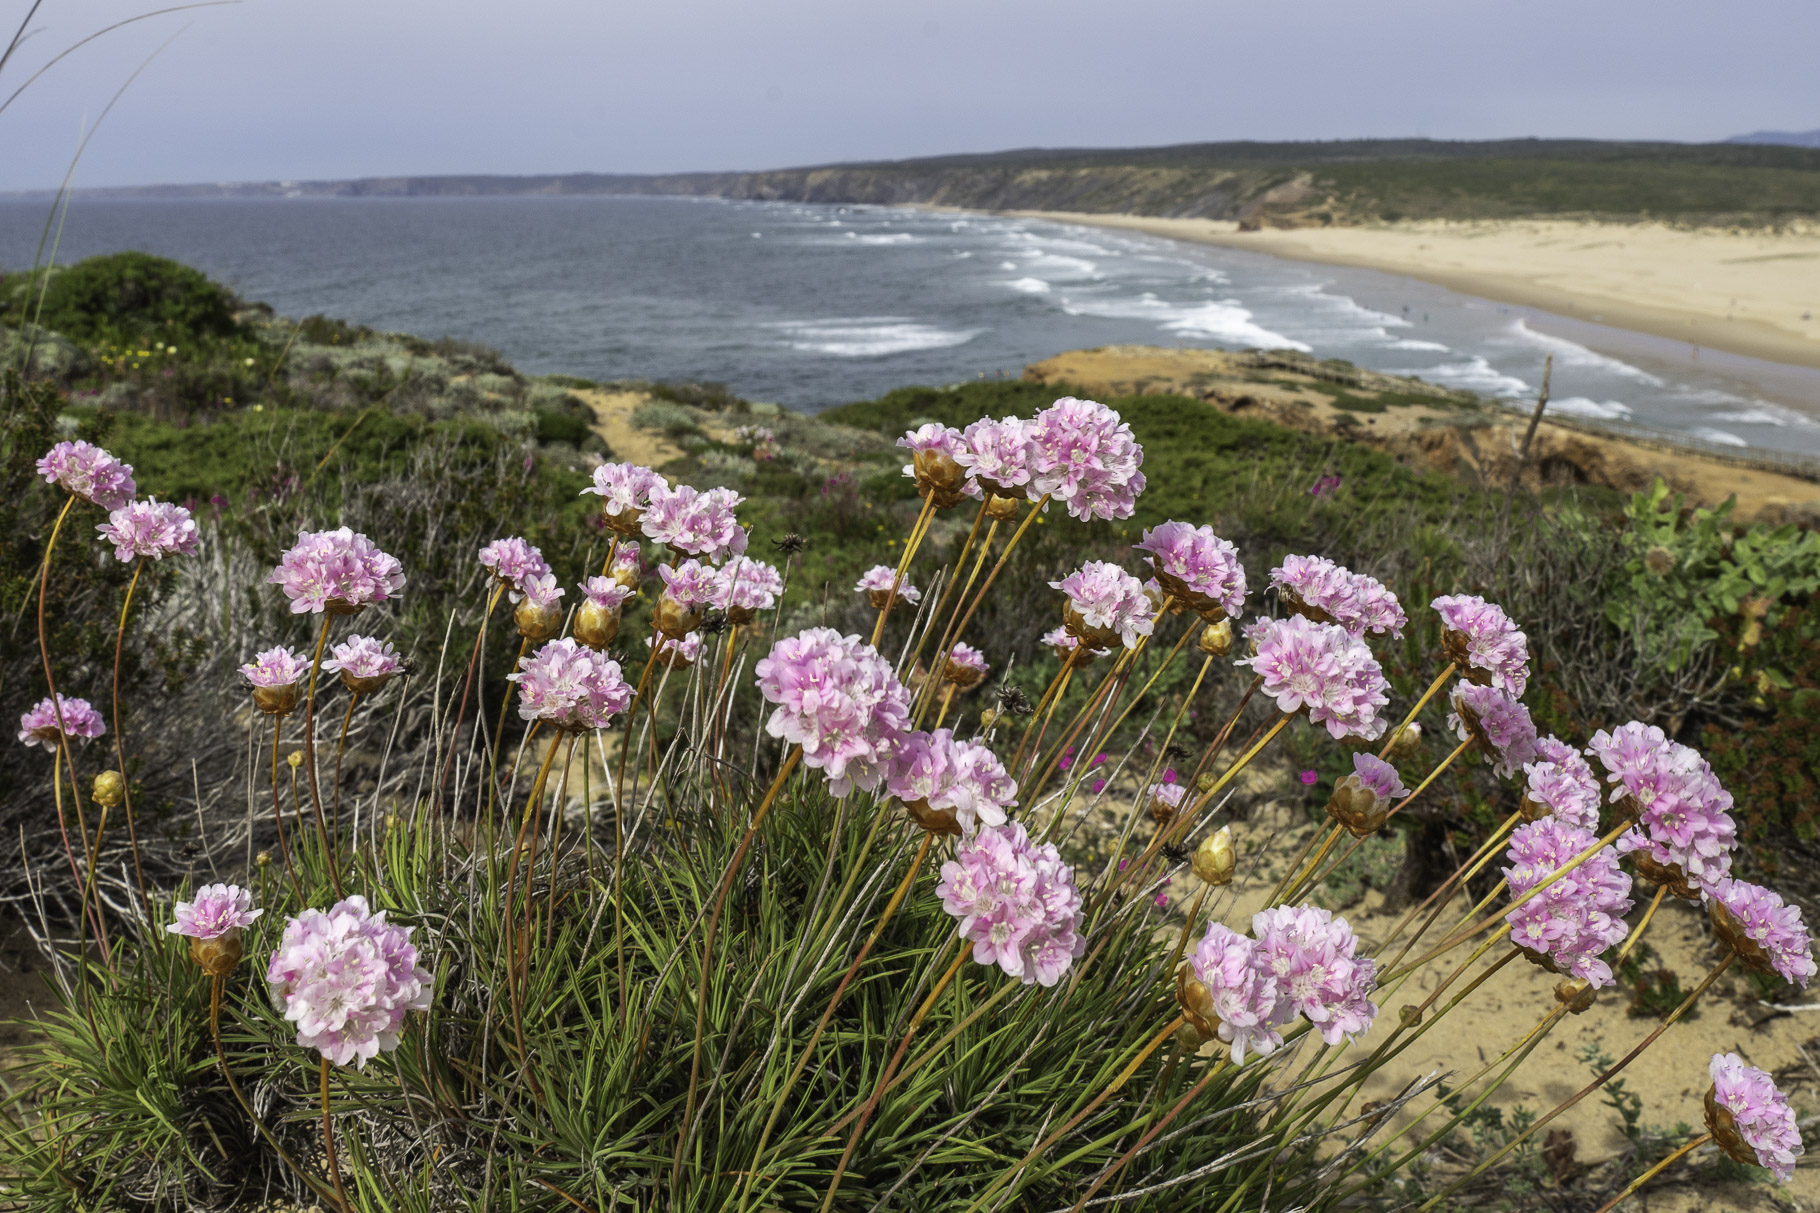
813, 306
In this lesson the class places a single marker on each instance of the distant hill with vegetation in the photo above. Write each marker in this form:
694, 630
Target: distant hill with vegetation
1279, 184
1786, 138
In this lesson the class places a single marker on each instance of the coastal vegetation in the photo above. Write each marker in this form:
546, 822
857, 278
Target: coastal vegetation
661, 952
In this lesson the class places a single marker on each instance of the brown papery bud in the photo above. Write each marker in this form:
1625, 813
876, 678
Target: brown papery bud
217, 956
263, 859
1409, 1015
936, 821
1576, 994
109, 789
674, 619
1358, 808
278, 701
1216, 639
536, 621
595, 625
1002, 509
1407, 741
627, 522
295, 758
988, 718
1086, 633
1724, 1127
1196, 1001
1670, 874
1215, 860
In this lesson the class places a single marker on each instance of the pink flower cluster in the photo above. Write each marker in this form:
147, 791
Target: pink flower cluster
1167, 793
337, 570
745, 587
1083, 456
1561, 779
946, 773
840, 701
363, 657
997, 455
571, 686
690, 584
934, 444
278, 666
968, 662
1760, 1113
1323, 668
1774, 928
1299, 960
1110, 601
89, 472
1683, 812
1577, 917
878, 578
625, 487
1016, 901
154, 529
605, 593
1378, 777
1061, 640
697, 523
514, 561
1197, 566
346, 978
81, 722
217, 910
1334, 594
1480, 637
677, 654
1498, 721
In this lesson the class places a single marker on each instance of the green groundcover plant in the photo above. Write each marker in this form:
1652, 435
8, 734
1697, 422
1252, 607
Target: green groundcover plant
718, 912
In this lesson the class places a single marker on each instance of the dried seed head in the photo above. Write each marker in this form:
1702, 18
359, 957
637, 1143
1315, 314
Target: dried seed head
109, 789
1216, 639
791, 544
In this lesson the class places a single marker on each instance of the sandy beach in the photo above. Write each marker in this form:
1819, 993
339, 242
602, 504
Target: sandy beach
1745, 292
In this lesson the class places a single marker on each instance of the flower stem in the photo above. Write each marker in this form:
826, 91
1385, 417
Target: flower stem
1642, 925
340, 748
1654, 1171
499, 729
948, 591
328, 1138
997, 568
917, 531
1423, 786
309, 757
284, 847
1434, 689
1111, 1173
518, 845
467, 686
126, 790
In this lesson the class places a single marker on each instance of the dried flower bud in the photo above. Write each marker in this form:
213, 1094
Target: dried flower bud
1196, 1001
988, 718
263, 859
1187, 1039
1215, 859
538, 620
791, 544
595, 625
1409, 1015
219, 955
278, 701
1669, 874
295, 758
1204, 781
1406, 742
109, 789
1357, 807
1002, 509
1576, 994
941, 822
1216, 639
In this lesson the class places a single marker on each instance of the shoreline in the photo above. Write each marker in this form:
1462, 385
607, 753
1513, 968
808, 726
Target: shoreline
1595, 272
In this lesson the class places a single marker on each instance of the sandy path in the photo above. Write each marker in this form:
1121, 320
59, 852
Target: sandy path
1750, 293
613, 422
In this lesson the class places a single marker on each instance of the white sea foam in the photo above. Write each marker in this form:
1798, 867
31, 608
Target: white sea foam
1344, 305
1722, 437
1029, 286
961, 254
1474, 375
1225, 320
1598, 410
1007, 265
1409, 343
891, 238
1573, 354
870, 336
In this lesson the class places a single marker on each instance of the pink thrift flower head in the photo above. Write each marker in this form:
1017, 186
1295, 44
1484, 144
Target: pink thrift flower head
876, 586
935, 451
1309, 954
571, 686
1016, 902
626, 491
1362, 801
1479, 637
966, 666
1083, 456
597, 619
949, 786
347, 978
1232, 995
90, 473
677, 654
1196, 567
1498, 726
1560, 784
1750, 1118
81, 722
629, 567
513, 561
1573, 921
1768, 936
840, 701
691, 583
697, 523
365, 663
997, 455
1164, 800
1325, 592
605, 593
1064, 643
276, 675
745, 587
1106, 605
217, 910
1685, 833
154, 529
1322, 669
338, 571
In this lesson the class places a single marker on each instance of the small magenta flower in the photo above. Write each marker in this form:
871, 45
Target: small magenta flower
1750, 1118
997, 455
154, 529
571, 686
1479, 637
347, 978
626, 491
1164, 800
276, 676
1016, 901
1106, 605
1322, 669
948, 786
338, 571
743, 588
966, 666
1310, 955
1768, 936
1325, 592
1231, 995
876, 586
935, 451
513, 561
1083, 456
1196, 567
677, 654
213, 923
88, 472
365, 663
81, 723
1362, 801
1571, 923
840, 701
1498, 726
697, 523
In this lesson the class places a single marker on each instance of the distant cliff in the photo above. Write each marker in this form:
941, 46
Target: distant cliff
1285, 184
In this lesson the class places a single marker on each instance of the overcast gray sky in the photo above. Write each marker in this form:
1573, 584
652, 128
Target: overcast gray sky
299, 89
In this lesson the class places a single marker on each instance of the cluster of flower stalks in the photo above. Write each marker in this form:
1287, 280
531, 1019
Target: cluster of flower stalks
853, 966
